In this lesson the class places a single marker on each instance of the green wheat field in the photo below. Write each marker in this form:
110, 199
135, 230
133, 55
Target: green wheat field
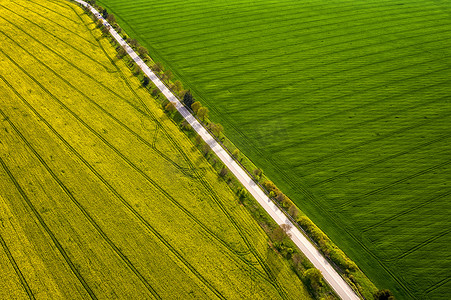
345, 105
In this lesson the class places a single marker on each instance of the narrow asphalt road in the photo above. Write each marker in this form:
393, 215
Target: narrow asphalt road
330, 275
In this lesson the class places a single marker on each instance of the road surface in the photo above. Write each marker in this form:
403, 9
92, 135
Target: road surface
329, 273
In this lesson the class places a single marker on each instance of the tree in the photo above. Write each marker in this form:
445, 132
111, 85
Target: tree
293, 211
216, 129
104, 13
99, 23
195, 106
313, 278
383, 295
170, 107
121, 52
105, 30
157, 67
280, 233
199, 140
223, 172
177, 86
155, 92
132, 42
146, 81
206, 149
242, 193
167, 75
258, 175
111, 19
137, 70
188, 99
236, 153
142, 51
202, 113
185, 125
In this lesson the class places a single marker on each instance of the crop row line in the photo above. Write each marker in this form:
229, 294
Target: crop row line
436, 285
360, 144
382, 160
424, 243
424, 103
268, 271
161, 6
315, 34
46, 7
329, 60
61, 26
85, 213
335, 153
50, 33
396, 182
213, 8
146, 224
407, 211
262, 19
164, 156
371, 103
208, 187
294, 80
19, 274
46, 228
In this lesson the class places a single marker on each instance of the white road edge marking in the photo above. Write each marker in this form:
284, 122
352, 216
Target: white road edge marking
332, 277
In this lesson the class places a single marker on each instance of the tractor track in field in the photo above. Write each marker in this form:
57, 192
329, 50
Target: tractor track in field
373, 140
392, 113
237, 254
375, 162
423, 244
215, 197
269, 88
407, 211
318, 102
19, 274
391, 184
59, 25
338, 112
274, 58
47, 8
47, 229
85, 213
289, 25
184, 210
164, 156
436, 286
55, 36
288, 53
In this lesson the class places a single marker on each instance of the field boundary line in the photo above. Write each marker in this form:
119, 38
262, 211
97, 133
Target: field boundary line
330, 274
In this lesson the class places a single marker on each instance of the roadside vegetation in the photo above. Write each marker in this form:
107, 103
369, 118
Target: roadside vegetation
347, 113
101, 195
